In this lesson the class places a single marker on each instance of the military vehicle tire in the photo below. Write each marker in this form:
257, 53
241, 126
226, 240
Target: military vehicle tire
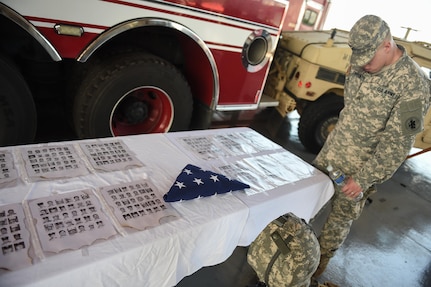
132, 93
317, 120
18, 117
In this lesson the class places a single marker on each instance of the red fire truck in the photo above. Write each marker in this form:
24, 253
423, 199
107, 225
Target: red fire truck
133, 66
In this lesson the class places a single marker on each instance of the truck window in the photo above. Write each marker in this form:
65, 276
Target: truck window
309, 18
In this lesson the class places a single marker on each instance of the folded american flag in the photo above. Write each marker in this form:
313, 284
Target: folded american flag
195, 182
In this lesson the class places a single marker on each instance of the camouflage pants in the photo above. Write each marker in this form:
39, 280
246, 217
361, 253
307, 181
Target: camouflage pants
340, 219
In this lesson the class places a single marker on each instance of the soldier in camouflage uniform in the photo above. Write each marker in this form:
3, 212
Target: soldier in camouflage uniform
386, 98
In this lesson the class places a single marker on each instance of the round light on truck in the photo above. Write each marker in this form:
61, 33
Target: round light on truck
256, 50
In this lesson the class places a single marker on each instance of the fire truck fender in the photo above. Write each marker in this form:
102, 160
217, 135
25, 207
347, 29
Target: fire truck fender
198, 55
29, 28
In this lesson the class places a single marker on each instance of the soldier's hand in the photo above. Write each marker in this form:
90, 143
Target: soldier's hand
351, 188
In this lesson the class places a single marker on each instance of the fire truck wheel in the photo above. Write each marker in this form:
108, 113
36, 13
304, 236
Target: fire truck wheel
318, 120
18, 118
130, 94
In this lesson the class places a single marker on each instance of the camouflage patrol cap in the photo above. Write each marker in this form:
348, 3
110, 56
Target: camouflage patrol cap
365, 37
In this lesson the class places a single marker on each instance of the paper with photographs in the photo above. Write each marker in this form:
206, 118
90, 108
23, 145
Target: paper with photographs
52, 162
265, 172
258, 141
70, 220
214, 145
8, 172
301, 169
110, 155
15, 238
235, 143
203, 147
246, 173
138, 204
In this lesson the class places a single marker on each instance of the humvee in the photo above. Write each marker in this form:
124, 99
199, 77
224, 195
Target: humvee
308, 74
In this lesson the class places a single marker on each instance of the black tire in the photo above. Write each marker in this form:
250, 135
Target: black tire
132, 94
18, 117
317, 120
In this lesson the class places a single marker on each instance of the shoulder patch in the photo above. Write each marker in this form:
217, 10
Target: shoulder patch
411, 117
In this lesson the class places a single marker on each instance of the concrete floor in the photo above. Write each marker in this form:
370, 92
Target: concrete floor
388, 246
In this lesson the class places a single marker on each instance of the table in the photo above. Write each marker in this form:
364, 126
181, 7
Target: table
208, 229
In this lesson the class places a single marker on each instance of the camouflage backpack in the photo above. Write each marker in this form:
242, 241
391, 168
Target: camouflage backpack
286, 253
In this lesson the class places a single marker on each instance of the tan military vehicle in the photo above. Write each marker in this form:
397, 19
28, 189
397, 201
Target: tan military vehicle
308, 74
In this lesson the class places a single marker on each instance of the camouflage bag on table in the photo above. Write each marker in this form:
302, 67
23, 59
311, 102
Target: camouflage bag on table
286, 253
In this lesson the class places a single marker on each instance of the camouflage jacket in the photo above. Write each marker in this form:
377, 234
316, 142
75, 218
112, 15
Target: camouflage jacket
376, 129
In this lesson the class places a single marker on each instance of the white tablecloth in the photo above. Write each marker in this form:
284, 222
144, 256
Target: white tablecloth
207, 231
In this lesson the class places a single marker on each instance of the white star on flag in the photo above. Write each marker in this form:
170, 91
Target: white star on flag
188, 171
180, 184
214, 178
198, 181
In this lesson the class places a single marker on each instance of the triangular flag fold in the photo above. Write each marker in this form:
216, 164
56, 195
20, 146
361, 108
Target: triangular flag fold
195, 182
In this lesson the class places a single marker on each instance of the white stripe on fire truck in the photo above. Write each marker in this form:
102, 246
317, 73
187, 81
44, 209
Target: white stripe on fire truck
210, 28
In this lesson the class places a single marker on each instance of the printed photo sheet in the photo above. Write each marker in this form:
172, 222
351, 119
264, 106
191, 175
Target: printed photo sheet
268, 171
15, 238
110, 155
70, 220
243, 172
138, 205
218, 146
258, 141
52, 162
235, 143
203, 147
8, 172
301, 169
